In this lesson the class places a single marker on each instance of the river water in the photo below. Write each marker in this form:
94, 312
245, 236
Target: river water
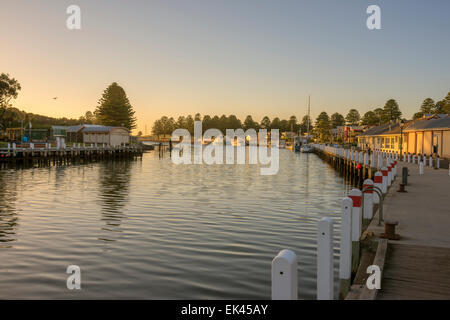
150, 229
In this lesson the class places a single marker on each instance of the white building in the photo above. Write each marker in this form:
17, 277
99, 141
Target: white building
92, 133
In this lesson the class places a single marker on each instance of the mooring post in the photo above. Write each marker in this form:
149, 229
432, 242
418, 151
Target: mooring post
384, 172
368, 201
421, 167
394, 169
284, 276
405, 176
345, 258
356, 195
325, 272
378, 182
389, 176
431, 161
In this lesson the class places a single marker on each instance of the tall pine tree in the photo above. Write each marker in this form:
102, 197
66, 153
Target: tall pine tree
114, 108
391, 111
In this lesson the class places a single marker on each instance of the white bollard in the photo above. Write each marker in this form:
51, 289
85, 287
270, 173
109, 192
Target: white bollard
414, 159
389, 177
368, 200
345, 258
378, 182
356, 195
284, 276
384, 171
325, 272
421, 168
431, 161
395, 169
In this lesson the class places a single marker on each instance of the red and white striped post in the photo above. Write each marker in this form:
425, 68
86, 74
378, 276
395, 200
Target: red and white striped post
378, 182
389, 179
384, 172
368, 201
356, 196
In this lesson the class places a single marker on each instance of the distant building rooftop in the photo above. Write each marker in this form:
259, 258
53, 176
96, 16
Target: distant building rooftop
91, 128
435, 122
428, 122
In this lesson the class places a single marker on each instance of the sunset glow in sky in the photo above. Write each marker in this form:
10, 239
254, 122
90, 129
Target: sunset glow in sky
237, 57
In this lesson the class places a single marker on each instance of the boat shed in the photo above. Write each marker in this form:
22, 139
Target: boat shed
93, 133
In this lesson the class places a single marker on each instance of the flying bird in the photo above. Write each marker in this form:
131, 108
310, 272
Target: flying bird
55, 98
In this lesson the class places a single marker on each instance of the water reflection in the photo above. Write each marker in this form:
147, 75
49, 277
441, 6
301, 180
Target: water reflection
154, 230
8, 215
114, 181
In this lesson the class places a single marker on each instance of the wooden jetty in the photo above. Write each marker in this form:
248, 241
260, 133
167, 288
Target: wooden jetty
416, 272
45, 154
355, 166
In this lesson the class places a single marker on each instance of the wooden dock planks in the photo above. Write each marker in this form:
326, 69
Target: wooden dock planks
416, 272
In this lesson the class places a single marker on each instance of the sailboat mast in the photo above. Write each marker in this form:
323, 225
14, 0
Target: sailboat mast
309, 105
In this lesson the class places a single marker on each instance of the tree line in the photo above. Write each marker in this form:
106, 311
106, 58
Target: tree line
321, 128
430, 107
166, 125
113, 109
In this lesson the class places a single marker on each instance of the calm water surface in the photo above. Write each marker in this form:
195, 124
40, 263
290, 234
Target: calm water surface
148, 229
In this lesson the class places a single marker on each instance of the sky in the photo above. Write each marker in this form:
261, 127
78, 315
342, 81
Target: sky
239, 57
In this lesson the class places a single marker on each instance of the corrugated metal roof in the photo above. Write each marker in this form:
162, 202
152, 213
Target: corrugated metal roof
91, 128
96, 128
430, 124
74, 128
382, 130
